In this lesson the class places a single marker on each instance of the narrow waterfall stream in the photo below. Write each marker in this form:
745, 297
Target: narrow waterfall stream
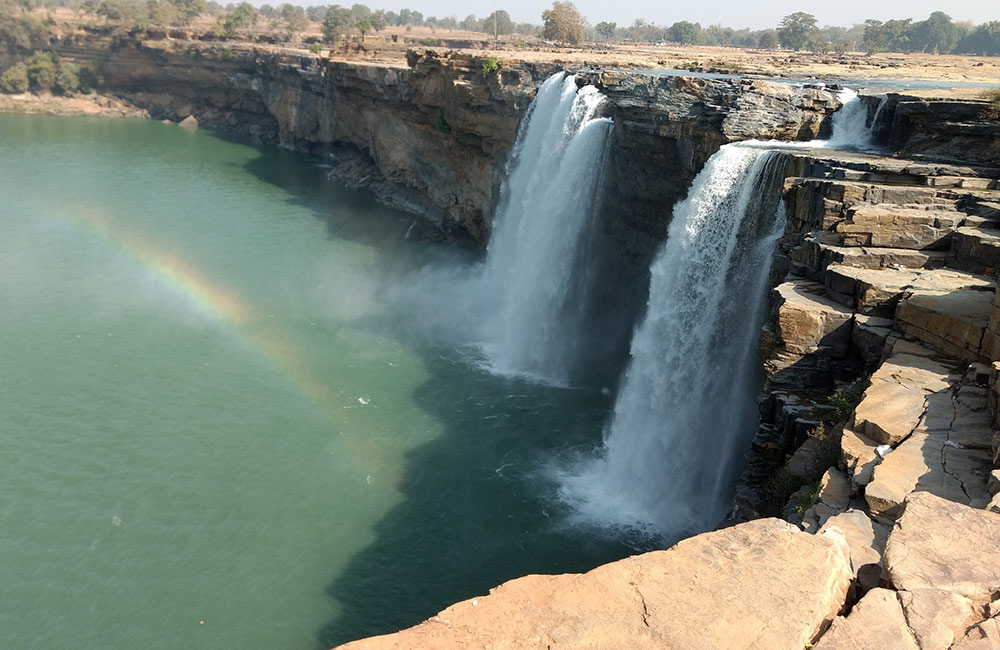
686, 406
535, 256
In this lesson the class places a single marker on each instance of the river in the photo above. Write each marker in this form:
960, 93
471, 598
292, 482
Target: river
221, 426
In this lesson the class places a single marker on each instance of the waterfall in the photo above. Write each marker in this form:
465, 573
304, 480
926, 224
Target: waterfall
686, 410
851, 129
535, 254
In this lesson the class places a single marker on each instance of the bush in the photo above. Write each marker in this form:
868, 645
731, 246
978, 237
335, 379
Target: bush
991, 112
42, 70
15, 79
315, 48
490, 66
67, 82
846, 399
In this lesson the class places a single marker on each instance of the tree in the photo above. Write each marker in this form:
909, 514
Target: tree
242, 16
190, 9
378, 20
364, 26
718, 35
684, 32
360, 12
605, 30
984, 40
336, 23
163, 12
471, 23
295, 19
42, 69
769, 39
875, 36
796, 29
15, 79
66, 82
504, 25
563, 23
937, 34
819, 43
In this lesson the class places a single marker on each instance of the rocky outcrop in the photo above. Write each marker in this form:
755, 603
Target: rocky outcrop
938, 129
760, 585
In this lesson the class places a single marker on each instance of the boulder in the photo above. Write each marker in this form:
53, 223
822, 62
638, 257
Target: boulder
937, 617
859, 457
894, 402
865, 538
939, 544
760, 585
808, 322
875, 623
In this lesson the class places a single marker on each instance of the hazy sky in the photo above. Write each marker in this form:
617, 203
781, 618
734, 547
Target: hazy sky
756, 14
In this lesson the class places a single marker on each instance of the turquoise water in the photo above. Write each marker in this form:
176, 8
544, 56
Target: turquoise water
220, 427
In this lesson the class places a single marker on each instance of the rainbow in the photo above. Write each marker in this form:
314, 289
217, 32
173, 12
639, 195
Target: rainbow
231, 310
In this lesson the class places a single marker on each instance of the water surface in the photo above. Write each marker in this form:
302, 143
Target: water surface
220, 428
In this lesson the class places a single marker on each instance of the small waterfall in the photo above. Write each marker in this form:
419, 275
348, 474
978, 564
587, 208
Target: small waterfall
533, 261
851, 129
686, 410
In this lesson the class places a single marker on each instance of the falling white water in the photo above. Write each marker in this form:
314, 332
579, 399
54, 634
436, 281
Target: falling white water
686, 410
533, 258
851, 129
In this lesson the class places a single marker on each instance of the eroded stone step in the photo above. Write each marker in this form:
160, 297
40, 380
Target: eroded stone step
953, 322
876, 291
819, 249
893, 226
976, 249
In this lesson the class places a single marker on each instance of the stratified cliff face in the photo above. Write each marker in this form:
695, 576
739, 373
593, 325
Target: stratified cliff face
433, 136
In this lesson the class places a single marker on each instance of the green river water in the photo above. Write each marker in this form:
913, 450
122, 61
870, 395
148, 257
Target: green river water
219, 427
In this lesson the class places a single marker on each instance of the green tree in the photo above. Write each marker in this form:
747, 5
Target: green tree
769, 39
875, 36
378, 20
984, 40
360, 12
937, 34
364, 26
606, 30
295, 19
471, 23
336, 23
242, 16
66, 82
684, 32
15, 79
504, 25
796, 29
163, 12
563, 23
190, 9
42, 69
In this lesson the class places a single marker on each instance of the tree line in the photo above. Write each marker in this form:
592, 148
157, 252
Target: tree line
801, 31
562, 22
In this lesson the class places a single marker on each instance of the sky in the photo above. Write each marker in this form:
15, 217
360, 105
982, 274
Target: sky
755, 14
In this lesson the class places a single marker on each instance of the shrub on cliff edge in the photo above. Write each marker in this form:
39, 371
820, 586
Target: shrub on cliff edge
992, 111
15, 79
